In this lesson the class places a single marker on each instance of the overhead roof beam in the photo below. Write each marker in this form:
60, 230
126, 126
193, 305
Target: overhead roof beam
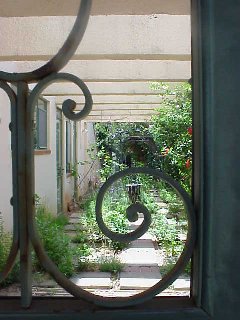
155, 37
113, 99
104, 88
25, 8
109, 71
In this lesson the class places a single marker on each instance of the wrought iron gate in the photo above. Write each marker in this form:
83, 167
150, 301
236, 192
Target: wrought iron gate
25, 232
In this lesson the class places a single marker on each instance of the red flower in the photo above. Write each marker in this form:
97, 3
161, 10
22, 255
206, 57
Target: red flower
165, 152
188, 163
190, 130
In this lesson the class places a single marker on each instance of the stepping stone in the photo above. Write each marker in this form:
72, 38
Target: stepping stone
162, 204
74, 220
142, 243
70, 227
181, 284
75, 215
163, 210
146, 236
141, 268
93, 280
45, 284
138, 256
71, 234
143, 280
182, 236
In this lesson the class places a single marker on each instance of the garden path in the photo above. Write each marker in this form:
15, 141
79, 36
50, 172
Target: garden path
142, 261
141, 266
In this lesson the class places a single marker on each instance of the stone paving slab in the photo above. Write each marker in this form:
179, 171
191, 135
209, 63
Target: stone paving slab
45, 284
163, 210
142, 243
70, 227
141, 268
162, 204
146, 236
93, 280
74, 220
181, 284
139, 256
136, 280
75, 215
71, 234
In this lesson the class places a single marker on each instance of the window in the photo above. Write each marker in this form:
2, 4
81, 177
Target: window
41, 125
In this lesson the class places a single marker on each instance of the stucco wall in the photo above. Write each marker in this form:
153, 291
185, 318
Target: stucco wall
88, 173
45, 165
5, 162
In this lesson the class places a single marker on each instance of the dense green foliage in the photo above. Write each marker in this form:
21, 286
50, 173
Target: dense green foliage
114, 217
110, 264
171, 129
56, 243
114, 145
5, 245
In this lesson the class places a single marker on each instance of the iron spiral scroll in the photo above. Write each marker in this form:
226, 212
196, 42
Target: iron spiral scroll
22, 107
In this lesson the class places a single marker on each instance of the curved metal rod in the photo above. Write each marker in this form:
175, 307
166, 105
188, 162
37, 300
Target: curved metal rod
64, 54
112, 302
15, 241
131, 212
68, 105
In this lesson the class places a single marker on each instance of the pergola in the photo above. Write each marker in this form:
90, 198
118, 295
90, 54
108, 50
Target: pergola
127, 45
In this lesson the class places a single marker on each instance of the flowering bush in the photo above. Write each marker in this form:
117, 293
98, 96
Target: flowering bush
171, 129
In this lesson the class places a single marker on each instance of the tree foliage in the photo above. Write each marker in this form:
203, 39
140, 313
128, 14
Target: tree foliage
171, 129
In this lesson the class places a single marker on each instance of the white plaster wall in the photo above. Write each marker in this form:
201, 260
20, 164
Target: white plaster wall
45, 165
5, 162
68, 193
6, 157
88, 173
91, 138
81, 145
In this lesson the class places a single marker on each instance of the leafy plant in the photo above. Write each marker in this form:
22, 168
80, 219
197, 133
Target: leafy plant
86, 265
80, 237
110, 264
171, 129
5, 245
56, 243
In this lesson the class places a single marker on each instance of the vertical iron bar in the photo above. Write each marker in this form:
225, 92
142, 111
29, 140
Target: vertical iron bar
22, 177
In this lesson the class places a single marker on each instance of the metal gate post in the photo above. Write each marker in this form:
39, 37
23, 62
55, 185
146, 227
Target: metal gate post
23, 175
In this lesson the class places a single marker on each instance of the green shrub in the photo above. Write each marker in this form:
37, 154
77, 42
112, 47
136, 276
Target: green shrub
110, 264
171, 129
117, 246
165, 268
80, 237
56, 243
5, 246
62, 220
115, 220
166, 232
85, 265
83, 250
